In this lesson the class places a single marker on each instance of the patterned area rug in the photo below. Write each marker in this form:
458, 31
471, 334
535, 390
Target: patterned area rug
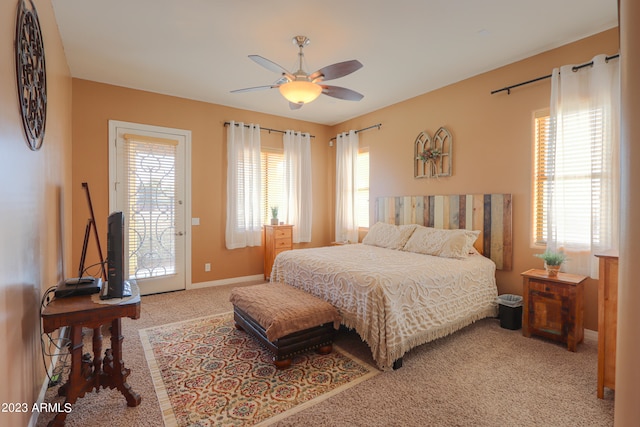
206, 373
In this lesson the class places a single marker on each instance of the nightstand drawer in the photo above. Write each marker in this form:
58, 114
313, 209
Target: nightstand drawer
282, 233
535, 285
282, 243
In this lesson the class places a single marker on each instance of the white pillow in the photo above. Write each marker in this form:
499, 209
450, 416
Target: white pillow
388, 235
443, 243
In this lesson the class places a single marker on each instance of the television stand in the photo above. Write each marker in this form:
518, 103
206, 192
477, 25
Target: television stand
86, 374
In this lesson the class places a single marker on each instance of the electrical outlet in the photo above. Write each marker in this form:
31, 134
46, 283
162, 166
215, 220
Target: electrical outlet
207, 267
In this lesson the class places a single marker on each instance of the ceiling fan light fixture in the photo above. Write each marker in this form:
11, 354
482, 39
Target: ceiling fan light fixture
300, 92
301, 88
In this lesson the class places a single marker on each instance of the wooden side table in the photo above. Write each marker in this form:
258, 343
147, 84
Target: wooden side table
86, 374
554, 306
277, 238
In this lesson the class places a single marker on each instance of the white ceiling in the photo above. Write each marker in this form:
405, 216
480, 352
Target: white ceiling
198, 49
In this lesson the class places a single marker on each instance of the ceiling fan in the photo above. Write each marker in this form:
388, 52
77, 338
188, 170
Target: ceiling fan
300, 88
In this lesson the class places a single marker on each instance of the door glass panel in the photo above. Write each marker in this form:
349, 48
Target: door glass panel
151, 198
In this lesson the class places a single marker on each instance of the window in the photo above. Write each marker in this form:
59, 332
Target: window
574, 173
272, 168
362, 186
273, 194
540, 177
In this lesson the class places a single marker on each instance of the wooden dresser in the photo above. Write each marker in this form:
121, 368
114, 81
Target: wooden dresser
607, 321
554, 306
277, 238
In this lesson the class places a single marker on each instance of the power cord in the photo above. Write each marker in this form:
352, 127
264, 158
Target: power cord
100, 271
61, 345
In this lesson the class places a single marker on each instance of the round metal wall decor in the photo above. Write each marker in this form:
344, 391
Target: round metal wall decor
31, 74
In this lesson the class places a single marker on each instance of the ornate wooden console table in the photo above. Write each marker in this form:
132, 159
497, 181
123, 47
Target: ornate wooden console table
80, 311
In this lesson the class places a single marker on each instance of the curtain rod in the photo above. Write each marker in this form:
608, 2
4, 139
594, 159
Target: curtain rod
265, 129
362, 130
576, 68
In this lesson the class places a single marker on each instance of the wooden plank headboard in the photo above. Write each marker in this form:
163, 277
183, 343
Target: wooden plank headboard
489, 213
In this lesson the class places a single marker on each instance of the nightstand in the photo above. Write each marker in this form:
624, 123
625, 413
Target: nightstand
554, 306
277, 238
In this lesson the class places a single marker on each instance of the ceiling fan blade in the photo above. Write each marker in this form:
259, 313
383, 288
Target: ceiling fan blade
295, 106
271, 66
342, 93
282, 80
255, 88
337, 70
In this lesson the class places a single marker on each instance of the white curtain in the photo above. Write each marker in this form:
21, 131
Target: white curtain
583, 196
244, 218
297, 184
346, 191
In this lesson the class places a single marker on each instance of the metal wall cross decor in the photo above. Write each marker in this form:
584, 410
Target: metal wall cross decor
31, 75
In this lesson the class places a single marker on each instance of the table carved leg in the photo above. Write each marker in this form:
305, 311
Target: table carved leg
114, 373
81, 377
87, 374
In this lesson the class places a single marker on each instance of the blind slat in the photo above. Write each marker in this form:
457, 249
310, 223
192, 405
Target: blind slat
149, 139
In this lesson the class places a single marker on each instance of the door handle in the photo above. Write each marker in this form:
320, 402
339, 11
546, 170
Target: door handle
179, 233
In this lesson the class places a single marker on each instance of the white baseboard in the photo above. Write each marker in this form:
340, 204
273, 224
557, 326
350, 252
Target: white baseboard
591, 335
45, 385
223, 282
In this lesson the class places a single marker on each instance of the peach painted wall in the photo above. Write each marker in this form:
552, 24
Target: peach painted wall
35, 213
94, 104
492, 137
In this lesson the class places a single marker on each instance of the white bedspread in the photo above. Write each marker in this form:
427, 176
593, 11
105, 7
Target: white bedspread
395, 300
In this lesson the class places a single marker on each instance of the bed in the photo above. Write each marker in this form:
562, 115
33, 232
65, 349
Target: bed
398, 289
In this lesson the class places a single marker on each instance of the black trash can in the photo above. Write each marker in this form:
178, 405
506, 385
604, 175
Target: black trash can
510, 311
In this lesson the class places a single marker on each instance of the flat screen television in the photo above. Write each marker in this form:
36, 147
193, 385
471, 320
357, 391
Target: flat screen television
117, 286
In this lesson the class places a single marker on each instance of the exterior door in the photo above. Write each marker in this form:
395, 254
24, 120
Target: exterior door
149, 183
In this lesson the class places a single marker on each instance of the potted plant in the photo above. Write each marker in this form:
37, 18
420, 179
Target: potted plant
552, 261
274, 215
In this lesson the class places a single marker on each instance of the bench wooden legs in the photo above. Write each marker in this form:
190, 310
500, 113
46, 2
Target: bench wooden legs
282, 364
325, 349
285, 363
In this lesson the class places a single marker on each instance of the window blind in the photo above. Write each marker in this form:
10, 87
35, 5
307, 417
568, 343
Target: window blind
573, 170
362, 186
272, 169
541, 178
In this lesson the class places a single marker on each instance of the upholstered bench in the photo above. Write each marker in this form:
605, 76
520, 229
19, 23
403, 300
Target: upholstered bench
286, 320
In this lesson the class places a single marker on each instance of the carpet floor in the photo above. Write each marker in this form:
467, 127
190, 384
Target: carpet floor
482, 375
